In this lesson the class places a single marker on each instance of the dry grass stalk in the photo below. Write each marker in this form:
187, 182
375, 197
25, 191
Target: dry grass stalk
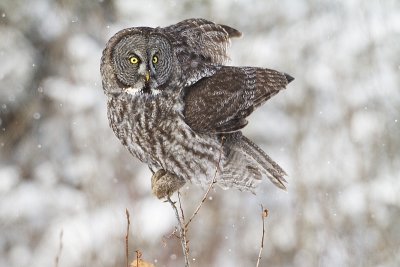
60, 247
264, 214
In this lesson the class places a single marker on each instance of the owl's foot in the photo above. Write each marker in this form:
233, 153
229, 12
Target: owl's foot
164, 183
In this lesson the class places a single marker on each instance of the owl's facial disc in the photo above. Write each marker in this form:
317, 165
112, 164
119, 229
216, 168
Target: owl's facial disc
129, 59
142, 63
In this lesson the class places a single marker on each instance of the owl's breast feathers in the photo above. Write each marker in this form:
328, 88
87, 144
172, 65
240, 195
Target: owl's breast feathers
155, 132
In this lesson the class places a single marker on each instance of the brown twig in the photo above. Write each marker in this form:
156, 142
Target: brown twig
202, 200
138, 257
60, 247
264, 214
183, 220
182, 232
180, 207
127, 238
184, 227
166, 237
213, 181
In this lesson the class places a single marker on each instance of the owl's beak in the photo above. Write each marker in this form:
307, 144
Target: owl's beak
147, 76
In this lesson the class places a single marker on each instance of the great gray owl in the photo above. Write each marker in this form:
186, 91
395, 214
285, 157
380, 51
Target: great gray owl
175, 106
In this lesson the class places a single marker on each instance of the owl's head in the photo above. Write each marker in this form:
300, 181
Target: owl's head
136, 61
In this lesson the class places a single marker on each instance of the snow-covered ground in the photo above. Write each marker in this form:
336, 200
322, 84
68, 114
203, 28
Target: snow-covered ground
335, 130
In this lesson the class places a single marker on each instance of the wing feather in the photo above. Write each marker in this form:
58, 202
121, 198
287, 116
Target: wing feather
203, 38
200, 47
221, 103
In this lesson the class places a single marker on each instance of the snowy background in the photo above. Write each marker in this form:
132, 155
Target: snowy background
335, 130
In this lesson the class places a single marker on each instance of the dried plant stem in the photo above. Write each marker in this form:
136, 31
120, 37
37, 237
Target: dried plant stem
127, 237
180, 207
138, 257
213, 181
60, 247
264, 214
184, 227
202, 200
182, 232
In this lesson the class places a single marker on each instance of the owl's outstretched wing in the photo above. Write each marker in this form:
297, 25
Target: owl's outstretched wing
200, 38
221, 103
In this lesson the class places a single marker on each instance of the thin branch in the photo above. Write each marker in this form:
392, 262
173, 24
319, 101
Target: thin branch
182, 232
183, 227
213, 181
127, 238
180, 207
202, 200
138, 257
166, 237
183, 220
264, 214
60, 247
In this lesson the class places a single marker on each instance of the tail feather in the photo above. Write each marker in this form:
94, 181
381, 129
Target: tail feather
274, 172
246, 164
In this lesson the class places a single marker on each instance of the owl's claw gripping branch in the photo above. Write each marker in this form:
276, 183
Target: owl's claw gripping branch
164, 184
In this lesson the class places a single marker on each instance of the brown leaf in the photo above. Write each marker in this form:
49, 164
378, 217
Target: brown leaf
142, 263
265, 213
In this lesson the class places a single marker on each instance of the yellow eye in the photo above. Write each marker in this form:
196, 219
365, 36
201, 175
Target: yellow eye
155, 59
134, 60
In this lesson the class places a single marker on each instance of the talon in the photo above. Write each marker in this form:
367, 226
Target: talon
164, 184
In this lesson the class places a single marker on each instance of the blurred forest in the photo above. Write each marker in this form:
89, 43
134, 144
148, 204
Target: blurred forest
335, 130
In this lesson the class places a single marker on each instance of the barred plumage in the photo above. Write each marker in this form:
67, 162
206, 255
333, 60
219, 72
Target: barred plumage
174, 105
156, 134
